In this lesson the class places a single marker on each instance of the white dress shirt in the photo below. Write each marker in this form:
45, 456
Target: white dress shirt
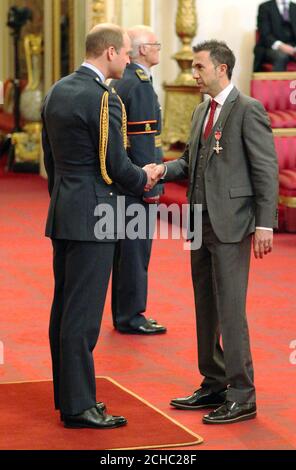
220, 99
94, 69
280, 5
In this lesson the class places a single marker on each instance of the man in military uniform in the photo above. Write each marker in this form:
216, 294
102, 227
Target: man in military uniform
129, 285
84, 167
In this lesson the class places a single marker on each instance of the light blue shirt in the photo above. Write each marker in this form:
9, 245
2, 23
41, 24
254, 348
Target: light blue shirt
146, 70
94, 69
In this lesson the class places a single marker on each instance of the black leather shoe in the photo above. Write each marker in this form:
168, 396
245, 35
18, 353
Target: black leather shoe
93, 418
231, 412
201, 398
100, 405
149, 328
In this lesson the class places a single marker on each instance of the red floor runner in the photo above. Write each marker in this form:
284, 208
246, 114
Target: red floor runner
156, 368
30, 423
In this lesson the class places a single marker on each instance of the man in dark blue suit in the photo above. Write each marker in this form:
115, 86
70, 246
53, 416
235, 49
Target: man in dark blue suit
131, 261
85, 160
276, 24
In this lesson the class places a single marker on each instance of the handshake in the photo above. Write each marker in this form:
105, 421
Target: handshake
154, 173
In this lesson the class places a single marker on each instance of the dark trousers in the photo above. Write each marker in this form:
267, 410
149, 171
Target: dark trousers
130, 272
279, 59
220, 279
81, 271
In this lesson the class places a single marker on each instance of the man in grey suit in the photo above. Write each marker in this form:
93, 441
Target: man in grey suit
231, 165
85, 161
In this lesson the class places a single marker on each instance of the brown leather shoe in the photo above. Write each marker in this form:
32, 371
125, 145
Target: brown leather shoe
93, 418
231, 412
201, 398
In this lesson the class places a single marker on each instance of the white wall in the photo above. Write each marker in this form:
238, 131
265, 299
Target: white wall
163, 16
132, 14
233, 21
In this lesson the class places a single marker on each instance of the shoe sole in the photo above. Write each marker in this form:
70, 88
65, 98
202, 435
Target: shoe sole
198, 407
141, 334
229, 421
80, 426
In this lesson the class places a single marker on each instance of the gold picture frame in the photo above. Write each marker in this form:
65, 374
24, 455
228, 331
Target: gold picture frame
57, 37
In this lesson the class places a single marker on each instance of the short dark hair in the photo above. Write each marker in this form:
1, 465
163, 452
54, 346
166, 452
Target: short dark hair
101, 37
219, 53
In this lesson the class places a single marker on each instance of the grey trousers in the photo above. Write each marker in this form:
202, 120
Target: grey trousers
220, 278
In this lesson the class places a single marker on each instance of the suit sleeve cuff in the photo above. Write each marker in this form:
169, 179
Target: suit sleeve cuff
164, 172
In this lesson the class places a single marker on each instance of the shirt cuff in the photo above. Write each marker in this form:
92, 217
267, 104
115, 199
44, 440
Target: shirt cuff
165, 172
276, 45
265, 228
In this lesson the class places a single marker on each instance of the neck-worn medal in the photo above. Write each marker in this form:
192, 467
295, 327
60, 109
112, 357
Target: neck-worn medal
218, 135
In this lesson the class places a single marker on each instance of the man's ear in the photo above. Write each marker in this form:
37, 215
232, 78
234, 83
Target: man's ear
223, 69
110, 53
142, 49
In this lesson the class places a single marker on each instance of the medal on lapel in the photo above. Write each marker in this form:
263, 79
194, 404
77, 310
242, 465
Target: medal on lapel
218, 135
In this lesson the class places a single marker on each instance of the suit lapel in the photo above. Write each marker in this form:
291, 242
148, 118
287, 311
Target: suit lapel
275, 10
222, 119
293, 16
197, 130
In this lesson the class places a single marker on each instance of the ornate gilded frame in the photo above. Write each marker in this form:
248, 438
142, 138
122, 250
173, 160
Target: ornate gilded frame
56, 36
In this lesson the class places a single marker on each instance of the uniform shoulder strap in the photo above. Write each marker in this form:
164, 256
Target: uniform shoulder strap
142, 75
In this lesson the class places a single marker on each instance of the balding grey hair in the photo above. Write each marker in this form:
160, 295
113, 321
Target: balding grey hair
138, 35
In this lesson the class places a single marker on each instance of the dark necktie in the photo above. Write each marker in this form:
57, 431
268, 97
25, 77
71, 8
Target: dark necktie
286, 14
210, 122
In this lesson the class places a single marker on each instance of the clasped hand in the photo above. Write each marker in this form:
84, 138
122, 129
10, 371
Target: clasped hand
154, 173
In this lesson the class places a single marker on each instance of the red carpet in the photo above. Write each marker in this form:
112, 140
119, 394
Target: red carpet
156, 368
30, 422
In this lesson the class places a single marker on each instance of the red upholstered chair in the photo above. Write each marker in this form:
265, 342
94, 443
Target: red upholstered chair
275, 95
288, 198
285, 146
286, 150
291, 67
267, 67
